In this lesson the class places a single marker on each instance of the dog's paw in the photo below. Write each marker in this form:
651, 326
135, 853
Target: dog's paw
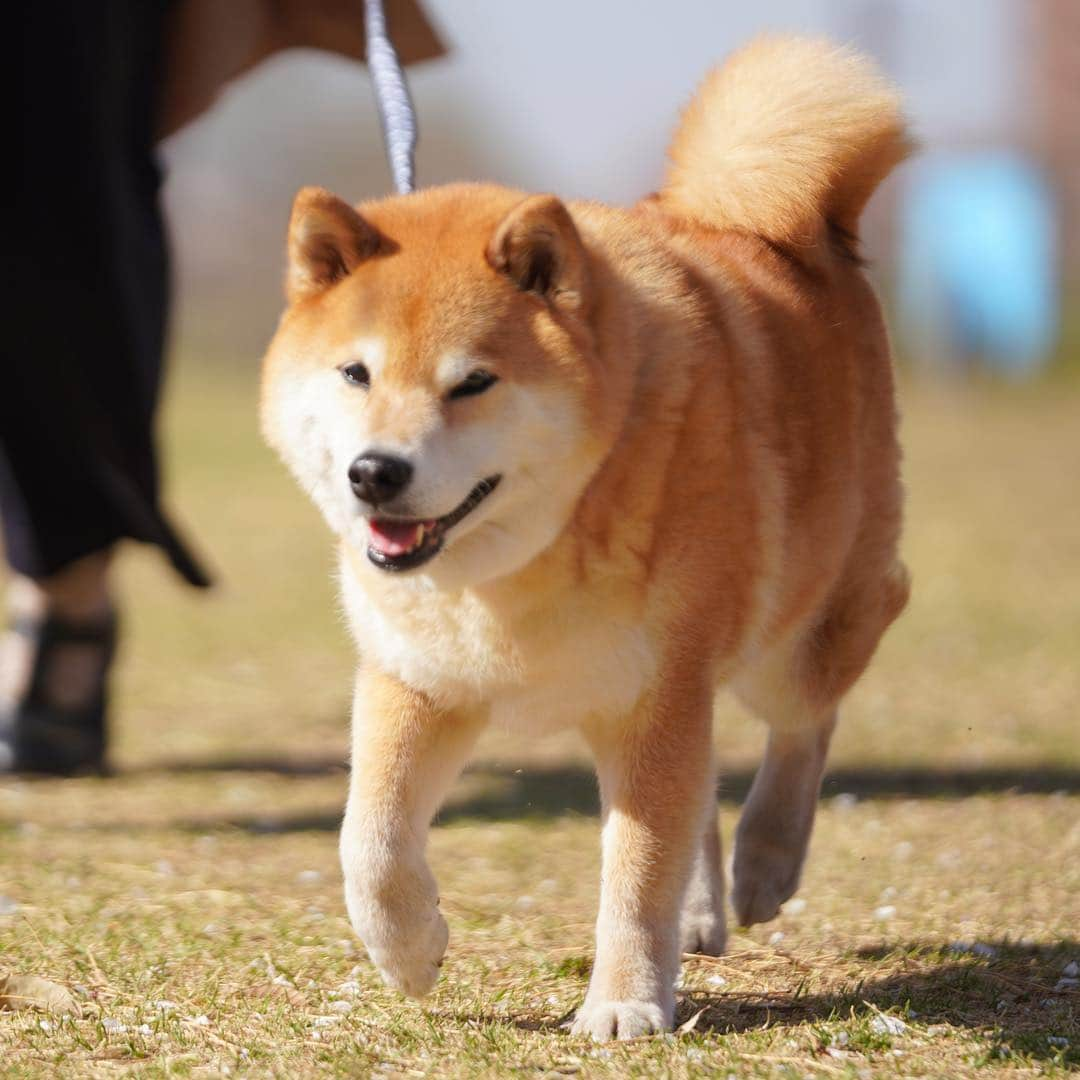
703, 930
409, 958
765, 876
397, 917
605, 1020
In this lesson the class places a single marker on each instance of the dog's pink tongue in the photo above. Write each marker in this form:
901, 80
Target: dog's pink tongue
395, 537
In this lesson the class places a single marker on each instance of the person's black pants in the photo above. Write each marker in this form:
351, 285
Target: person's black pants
85, 286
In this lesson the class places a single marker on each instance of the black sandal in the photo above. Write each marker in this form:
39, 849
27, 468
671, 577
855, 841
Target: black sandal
39, 736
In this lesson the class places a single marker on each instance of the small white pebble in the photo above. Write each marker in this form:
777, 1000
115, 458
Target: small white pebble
884, 913
776, 937
201, 1021
326, 1021
8, 906
549, 884
165, 1006
1071, 970
841, 1038
1057, 1040
888, 893
887, 1025
145, 1029
845, 800
795, 907
716, 980
316, 1035
525, 902
975, 948
113, 1026
210, 928
309, 877
343, 1007
282, 980
1067, 984
45, 1025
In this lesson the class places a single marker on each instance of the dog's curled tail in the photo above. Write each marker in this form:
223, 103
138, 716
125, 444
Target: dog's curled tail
789, 135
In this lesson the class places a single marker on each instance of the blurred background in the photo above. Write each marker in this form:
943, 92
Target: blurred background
975, 242
972, 243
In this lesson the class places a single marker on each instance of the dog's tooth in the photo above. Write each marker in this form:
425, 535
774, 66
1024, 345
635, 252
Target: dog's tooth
419, 537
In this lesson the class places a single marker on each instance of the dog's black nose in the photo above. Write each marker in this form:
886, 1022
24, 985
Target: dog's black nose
377, 478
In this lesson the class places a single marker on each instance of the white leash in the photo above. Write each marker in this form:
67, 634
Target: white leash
391, 96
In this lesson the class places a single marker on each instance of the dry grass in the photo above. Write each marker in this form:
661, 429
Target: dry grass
943, 889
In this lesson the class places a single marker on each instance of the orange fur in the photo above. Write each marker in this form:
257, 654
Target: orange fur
695, 431
789, 133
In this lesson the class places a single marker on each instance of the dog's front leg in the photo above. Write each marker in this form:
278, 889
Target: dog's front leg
406, 754
656, 784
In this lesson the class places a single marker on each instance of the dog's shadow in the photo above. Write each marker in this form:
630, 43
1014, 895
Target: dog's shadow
493, 792
1011, 994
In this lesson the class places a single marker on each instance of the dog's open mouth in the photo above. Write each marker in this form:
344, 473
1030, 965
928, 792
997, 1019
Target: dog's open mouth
399, 544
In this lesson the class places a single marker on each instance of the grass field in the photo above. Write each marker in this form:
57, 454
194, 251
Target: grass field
193, 905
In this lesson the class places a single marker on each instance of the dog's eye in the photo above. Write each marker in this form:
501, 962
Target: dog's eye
476, 383
358, 374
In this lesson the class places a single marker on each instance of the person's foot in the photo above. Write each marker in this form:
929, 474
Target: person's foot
57, 724
54, 667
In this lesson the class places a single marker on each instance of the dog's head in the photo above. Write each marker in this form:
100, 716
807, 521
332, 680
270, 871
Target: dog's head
433, 383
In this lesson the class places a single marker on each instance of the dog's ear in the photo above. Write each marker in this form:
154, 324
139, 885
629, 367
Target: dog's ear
327, 239
537, 246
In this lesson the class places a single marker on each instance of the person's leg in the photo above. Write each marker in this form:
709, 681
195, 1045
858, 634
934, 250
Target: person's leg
86, 273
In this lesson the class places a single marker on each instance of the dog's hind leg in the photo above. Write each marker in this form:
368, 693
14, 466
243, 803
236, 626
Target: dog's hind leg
704, 926
777, 819
796, 689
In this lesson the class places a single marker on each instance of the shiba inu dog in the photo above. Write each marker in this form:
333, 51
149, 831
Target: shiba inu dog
588, 465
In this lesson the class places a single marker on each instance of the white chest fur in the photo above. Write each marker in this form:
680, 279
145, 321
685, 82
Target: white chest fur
549, 668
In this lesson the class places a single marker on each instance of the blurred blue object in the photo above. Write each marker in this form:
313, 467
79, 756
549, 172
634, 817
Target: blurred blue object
978, 266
